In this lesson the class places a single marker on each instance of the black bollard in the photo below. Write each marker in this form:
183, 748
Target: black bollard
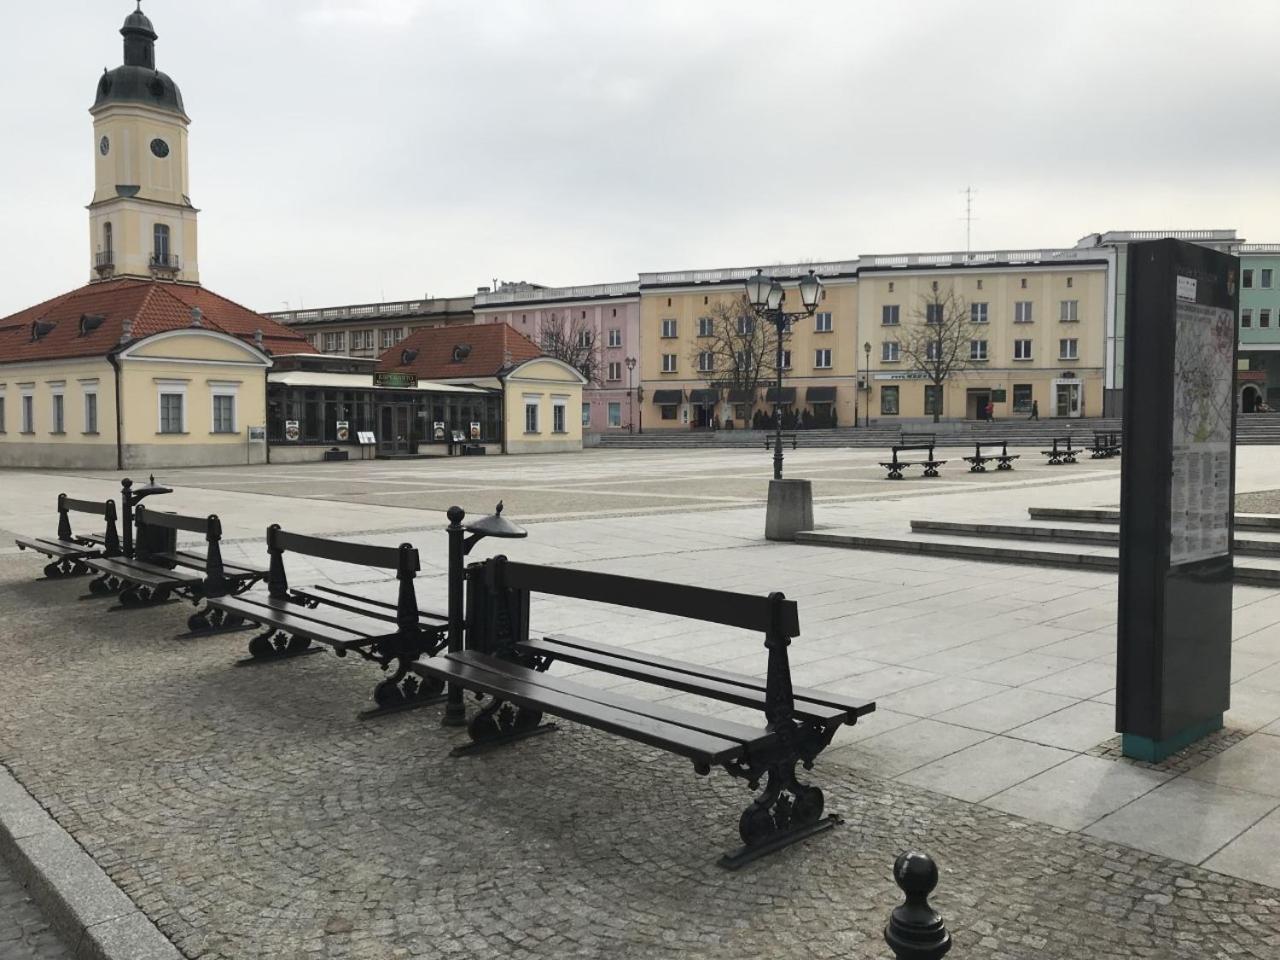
915, 930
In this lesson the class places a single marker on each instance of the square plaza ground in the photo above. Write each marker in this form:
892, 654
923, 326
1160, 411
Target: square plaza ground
249, 814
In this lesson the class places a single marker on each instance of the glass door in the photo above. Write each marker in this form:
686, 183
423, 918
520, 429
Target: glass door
394, 420
1068, 400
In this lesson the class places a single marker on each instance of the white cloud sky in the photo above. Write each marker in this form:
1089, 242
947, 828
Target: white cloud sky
355, 150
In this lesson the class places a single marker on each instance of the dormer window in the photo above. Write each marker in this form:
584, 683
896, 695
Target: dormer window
461, 352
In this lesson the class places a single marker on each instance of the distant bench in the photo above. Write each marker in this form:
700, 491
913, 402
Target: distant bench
1106, 444
908, 442
386, 633
794, 725
1062, 451
68, 551
786, 437
978, 462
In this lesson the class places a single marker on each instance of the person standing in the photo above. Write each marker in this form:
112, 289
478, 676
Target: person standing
990, 411
1035, 410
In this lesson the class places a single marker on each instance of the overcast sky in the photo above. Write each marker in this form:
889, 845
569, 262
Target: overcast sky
357, 150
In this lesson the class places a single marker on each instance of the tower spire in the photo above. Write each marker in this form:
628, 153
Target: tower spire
139, 40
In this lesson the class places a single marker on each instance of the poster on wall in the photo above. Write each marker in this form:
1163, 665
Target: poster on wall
475, 430
437, 430
343, 430
291, 431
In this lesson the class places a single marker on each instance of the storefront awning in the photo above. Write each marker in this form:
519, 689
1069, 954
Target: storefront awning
359, 381
666, 398
742, 396
820, 395
788, 395
706, 395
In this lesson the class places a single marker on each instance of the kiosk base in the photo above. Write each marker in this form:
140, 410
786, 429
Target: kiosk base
1153, 751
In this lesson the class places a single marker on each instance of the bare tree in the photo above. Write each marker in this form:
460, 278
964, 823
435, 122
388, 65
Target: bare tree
735, 351
936, 340
574, 341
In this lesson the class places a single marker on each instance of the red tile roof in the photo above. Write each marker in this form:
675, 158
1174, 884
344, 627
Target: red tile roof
490, 349
151, 306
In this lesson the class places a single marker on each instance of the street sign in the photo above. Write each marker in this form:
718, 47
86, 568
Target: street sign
404, 381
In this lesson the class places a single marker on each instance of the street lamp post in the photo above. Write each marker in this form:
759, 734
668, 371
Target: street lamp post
766, 297
631, 407
866, 350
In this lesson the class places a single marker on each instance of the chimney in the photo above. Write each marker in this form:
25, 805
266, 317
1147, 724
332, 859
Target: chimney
257, 338
197, 318
126, 329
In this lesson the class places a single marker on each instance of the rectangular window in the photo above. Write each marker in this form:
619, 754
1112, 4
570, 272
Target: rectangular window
615, 337
1069, 311
706, 361
822, 359
889, 315
669, 363
668, 328
933, 350
531, 416
224, 413
390, 337
889, 351
933, 313
1266, 279
1246, 317
977, 349
745, 326
932, 398
584, 339
823, 322
1069, 349
1022, 311
1022, 398
362, 340
889, 401
706, 327
1248, 279
171, 420
1022, 349
1264, 317
786, 360
28, 413
586, 414
335, 342
90, 412
977, 313
558, 417
615, 369
59, 414
1070, 282
615, 414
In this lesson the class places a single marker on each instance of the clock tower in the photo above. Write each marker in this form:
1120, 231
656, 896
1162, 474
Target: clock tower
141, 221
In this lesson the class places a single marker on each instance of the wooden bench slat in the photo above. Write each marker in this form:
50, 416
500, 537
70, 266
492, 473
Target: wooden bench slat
199, 561
360, 554
659, 711
62, 549
676, 677
826, 699
527, 693
144, 574
368, 606
291, 621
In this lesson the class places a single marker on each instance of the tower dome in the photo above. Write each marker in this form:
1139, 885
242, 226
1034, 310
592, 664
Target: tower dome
138, 80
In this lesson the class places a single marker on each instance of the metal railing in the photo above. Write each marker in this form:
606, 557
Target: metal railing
592, 291
164, 261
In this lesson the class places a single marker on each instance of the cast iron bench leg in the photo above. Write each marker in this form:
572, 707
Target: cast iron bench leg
498, 724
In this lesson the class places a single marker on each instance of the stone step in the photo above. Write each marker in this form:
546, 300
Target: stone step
1101, 534
1244, 521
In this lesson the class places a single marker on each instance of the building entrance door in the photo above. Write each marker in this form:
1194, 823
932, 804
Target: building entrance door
976, 404
1067, 400
395, 421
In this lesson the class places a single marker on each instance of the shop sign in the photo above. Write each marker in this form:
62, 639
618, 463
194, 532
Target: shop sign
403, 381
291, 431
343, 430
437, 430
475, 430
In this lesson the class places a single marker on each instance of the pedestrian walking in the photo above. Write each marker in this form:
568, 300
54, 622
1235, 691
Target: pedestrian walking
1035, 410
991, 410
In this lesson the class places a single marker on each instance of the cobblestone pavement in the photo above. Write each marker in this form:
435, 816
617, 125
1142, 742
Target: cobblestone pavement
24, 934
250, 815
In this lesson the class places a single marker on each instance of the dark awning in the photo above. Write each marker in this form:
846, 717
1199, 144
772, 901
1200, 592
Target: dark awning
788, 395
665, 398
705, 395
820, 394
742, 396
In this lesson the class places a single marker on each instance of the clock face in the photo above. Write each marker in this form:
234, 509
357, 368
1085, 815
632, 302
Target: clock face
104, 145
159, 148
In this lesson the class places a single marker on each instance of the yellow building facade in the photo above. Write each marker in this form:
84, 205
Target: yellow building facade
1036, 339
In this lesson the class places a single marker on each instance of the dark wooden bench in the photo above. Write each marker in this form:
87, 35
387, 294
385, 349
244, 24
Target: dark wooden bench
908, 442
67, 550
978, 462
158, 571
1062, 451
501, 661
786, 438
1106, 444
386, 633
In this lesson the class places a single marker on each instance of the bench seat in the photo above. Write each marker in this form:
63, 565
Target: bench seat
724, 685
333, 598
194, 560
59, 549
147, 575
677, 731
336, 628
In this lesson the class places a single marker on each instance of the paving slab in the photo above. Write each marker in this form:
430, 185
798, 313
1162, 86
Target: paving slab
986, 768
1012, 707
1253, 854
1078, 727
1253, 764
1078, 792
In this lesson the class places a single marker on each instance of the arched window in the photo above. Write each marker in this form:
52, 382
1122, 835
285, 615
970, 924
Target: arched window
106, 238
161, 234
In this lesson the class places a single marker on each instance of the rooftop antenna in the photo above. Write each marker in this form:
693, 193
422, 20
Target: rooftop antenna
968, 221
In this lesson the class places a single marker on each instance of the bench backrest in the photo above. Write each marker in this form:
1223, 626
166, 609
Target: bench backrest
907, 437
979, 444
102, 508
215, 582
498, 604
402, 559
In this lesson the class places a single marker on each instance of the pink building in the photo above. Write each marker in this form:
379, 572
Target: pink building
607, 312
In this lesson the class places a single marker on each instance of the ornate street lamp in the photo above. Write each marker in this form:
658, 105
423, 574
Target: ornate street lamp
765, 295
866, 349
631, 407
